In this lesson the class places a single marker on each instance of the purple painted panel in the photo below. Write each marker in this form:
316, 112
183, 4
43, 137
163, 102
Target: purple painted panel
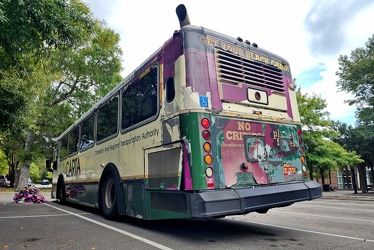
186, 171
234, 161
257, 153
171, 51
290, 83
197, 71
234, 93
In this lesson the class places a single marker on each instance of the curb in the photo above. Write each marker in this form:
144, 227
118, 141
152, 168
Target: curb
349, 197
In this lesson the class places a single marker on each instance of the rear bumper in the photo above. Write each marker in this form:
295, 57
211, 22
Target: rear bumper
244, 200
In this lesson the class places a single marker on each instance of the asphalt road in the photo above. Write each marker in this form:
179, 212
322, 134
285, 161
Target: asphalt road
317, 224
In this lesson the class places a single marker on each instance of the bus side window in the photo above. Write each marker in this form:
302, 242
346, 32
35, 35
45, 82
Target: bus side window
107, 119
139, 100
170, 89
149, 107
87, 132
63, 147
73, 140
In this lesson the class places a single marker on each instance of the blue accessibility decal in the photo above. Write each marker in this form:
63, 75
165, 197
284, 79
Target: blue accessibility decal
203, 101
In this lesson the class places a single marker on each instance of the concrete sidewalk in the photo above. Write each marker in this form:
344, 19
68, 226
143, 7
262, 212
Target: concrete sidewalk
348, 195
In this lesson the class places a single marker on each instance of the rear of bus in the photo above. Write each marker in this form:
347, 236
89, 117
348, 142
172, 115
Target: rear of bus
239, 124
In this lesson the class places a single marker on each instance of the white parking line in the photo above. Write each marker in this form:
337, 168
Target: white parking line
35, 216
149, 242
309, 231
324, 216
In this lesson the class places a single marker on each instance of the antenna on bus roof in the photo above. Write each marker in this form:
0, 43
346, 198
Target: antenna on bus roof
182, 15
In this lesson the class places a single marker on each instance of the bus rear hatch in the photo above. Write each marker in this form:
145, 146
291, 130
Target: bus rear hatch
251, 153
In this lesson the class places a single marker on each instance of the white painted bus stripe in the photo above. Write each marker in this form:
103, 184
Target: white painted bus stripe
149, 242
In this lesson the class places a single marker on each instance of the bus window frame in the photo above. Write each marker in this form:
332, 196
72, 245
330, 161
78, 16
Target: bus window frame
151, 118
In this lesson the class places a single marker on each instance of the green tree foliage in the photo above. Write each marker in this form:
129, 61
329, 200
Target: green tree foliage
39, 27
34, 172
30, 31
83, 75
358, 139
4, 166
58, 61
322, 153
356, 76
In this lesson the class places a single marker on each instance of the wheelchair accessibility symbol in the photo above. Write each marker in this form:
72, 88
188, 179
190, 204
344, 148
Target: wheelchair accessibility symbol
203, 101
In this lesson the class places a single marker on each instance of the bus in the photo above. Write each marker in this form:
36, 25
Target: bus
208, 126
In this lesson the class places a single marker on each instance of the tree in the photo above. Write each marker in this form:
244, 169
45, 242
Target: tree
83, 75
356, 76
4, 167
29, 32
62, 62
322, 154
360, 140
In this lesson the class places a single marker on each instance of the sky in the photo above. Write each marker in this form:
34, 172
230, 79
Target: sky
309, 34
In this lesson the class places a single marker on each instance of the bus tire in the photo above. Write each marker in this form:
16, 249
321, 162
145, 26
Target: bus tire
109, 202
61, 193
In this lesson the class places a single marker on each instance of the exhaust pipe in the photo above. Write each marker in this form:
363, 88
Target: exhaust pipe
182, 15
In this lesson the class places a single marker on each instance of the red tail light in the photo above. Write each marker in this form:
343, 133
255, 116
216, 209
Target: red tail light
206, 134
205, 123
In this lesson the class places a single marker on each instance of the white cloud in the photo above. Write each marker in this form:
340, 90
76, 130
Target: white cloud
326, 88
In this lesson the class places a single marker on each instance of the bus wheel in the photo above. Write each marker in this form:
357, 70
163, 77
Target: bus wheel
61, 195
109, 198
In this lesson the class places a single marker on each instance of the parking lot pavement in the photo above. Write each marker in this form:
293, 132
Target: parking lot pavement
7, 195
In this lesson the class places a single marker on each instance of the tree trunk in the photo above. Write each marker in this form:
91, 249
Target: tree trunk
363, 184
330, 175
24, 175
372, 174
311, 172
353, 179
322, 170
12, 172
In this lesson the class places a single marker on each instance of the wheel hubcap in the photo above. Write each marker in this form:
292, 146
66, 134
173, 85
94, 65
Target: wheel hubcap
110, 193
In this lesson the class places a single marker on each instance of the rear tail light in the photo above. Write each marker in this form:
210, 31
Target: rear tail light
206, 134
302, 158
205, 122
208, 159
302, 150
207, 147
